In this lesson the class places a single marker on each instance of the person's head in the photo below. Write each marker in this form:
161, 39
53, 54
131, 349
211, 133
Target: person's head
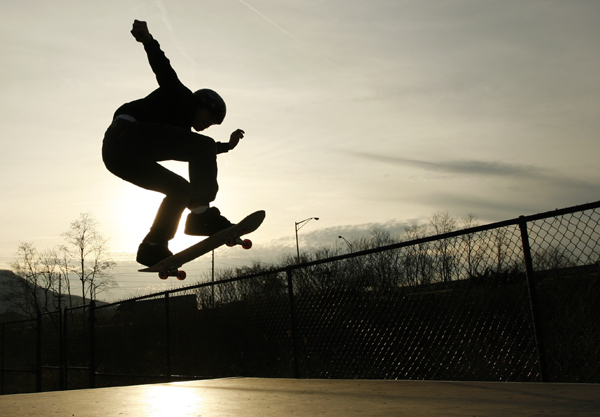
210, 111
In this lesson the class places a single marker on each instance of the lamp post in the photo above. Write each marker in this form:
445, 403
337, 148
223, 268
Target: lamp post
347, 243
300, 225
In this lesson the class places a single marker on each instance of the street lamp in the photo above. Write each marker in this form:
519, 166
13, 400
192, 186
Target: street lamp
347, 243
300, 225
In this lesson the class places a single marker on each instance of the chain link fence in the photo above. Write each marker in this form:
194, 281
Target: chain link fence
511, 301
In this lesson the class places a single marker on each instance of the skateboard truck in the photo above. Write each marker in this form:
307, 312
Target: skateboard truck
232, 241
173, 272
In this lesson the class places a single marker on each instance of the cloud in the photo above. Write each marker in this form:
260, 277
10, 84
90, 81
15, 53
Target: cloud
496, 169
488, 209
493, 189
330, 235
462, 167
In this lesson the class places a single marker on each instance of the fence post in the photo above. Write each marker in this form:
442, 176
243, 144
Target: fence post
168, 335
533, 300
2, 361
92, 344
64, 352
38, 353
294, 323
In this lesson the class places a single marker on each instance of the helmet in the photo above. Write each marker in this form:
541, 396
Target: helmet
210, 100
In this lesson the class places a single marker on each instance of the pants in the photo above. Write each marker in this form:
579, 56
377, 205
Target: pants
131, 151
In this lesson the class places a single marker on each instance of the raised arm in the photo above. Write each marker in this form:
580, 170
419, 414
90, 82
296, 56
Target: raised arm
140, 31
160, 64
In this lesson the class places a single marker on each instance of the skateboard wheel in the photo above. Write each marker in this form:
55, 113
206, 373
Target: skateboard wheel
230, 241
246, 243
163, 274
181, 275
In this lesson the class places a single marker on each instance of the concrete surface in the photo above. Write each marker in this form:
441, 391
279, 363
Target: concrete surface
250, 397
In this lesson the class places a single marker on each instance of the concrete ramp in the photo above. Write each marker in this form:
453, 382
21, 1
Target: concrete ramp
253, 397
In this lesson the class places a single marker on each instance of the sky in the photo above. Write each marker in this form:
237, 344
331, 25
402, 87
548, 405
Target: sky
365, 114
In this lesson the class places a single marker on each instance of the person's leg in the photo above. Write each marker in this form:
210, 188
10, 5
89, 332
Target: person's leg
132, 155
155, 245
176, 190
203, 178
201, 153
131, 151
198, 150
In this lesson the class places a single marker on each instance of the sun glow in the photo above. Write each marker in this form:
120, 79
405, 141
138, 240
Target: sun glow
133, 212
172, 400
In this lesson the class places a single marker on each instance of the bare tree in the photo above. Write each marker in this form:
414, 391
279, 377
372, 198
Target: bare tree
553, 258
442, 222
62, 262
52, 277
470, 243
418, 264
500, 242
33, 294
90, 250
382, 268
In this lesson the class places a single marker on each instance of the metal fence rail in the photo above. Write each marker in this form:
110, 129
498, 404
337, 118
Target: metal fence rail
512, 301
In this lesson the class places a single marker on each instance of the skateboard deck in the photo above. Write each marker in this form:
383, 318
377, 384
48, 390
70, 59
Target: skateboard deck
169, 267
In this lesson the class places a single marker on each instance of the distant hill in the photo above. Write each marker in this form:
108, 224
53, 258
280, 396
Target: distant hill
9, 312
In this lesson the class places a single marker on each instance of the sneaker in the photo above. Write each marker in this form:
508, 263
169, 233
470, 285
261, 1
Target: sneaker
207, 223
150, 255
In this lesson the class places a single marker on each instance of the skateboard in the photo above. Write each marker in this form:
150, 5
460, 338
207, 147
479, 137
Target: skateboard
169, 267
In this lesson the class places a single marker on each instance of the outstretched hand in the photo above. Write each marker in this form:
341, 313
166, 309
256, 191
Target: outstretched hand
140, 31
235, 138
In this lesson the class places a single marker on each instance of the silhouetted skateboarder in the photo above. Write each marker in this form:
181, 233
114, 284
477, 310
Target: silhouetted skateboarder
157, 128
